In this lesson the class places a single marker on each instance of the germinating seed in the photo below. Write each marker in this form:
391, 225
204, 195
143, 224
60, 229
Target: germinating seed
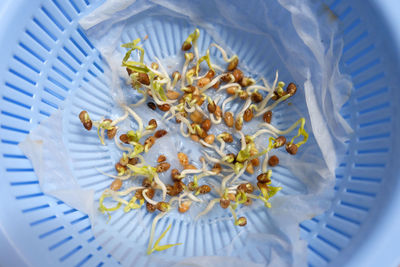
224, 203
163, 167
233, 64
237, 75
116, 185
273, 161
209, 139
267, 116
228, 118
280, 141
291, 149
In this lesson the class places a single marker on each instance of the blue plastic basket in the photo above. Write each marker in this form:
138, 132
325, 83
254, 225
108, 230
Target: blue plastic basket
45, 54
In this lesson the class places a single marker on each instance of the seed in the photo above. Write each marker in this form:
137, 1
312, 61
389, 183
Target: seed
201, 133
179, 186
231, 90
151, 105
83, 116
224, 203
120, 168
176, 75
172, 94
230, 158
149, 142
210, 74
139, 194
150, 193
163, 167
227, 137
124, 161
217, 168
186, 46
228, 118
171, 191
263, 178
183, 159
154, 65
129, 71
209, 139
146, 182
204, 189
255, 162
203, 82
242, 221
280, 141
233, 64
116, 185
211, 107
216, 85
160, 133
191, 186
243, 95
153, 124
161, 158
218, 112
291, 89
88, 125
267, 116
175, 175
248, 115
162, 206
239, 123
195, 137
292, 149
238, 75
273, 161
143, 78
256, 97
246, 81
249, 168
133, 161
206, 125
275, 96
184, 206
164, 107
190, 167
246, 187
227, 77
150, 207
199, 100
231, 197
196, 117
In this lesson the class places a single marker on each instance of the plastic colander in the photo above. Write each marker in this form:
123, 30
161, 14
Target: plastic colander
45, 55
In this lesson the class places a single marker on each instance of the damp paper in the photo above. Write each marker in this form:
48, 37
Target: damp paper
299, 38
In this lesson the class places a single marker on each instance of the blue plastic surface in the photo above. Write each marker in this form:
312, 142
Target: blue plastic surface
45, 56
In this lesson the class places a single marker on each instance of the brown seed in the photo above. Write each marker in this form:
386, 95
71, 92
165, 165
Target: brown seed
146, 182
291, 89
217, 168
184, 206
227, 137
162, 206
154, 65
88, 125
129, 71
124, 138
255, 162
246, 187
218, 112
124, 161
248, 115
263, 178
150, 193
243, 95
172, 95
238, 75
203, 82
275, 96
201, 133
209, 139
163, 167
216, 85
175, 175
160, 133
183, 159
151, 105
239, 123
231, 90
190, 167
206, 125
224, 203
249, 168
267, 116
231, 197
228, 118
233, 64
204, 189
196, 117
280, 141
186, 46
164, 107
211, 107
139, 194
171, 191
176, 75
292, 149
149, 142
195, 137
143, 78
133, 161
161, 158
246, 81
199, 100
150, 207
227, 77
273, 161
210, 74
83, 116
153, 123
120, 168
242, 221
256, 97
116, 185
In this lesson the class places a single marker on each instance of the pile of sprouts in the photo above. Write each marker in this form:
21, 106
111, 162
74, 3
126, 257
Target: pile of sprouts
196, 98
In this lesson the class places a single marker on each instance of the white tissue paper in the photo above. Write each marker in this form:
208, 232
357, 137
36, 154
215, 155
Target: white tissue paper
307, 51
